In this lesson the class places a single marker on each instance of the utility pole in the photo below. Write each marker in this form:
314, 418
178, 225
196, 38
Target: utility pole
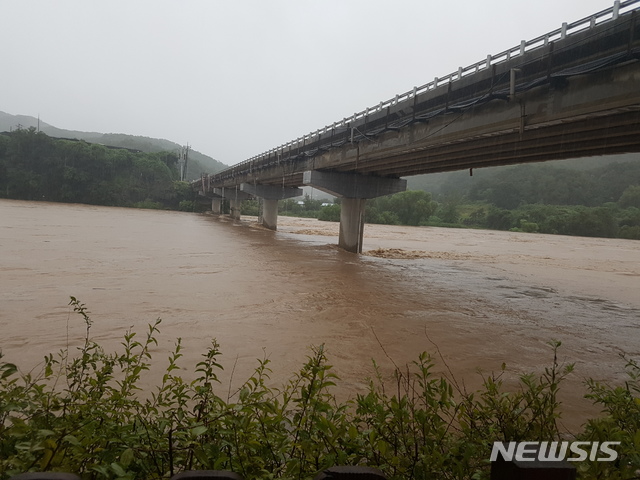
182, 161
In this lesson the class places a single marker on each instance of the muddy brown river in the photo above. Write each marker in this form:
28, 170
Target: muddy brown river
480, 298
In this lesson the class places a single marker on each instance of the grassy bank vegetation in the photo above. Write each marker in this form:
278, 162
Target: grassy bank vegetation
85, 413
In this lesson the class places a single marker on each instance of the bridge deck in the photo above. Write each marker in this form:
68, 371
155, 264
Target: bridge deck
574, 96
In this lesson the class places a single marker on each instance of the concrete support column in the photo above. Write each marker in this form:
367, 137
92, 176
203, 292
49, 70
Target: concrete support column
270, 195
235, 197
351, 224
270, 214
234, 208
353, 189
216, 205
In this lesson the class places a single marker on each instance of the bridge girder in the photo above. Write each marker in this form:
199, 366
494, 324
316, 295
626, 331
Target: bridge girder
573, 97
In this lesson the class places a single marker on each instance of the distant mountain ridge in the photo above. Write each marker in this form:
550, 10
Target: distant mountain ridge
198, 162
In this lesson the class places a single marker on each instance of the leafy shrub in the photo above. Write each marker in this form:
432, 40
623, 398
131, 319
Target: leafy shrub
385, 217
630, 197
499, 218
621, 423
591, 222
413, 207
330, 213
529, 227
150, 204
250, 207
632, 233
84, 415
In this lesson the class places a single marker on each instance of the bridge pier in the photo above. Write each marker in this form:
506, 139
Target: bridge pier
234, 208
235, 198
216, 205
352, 224
270, 213
270, 195
353, 189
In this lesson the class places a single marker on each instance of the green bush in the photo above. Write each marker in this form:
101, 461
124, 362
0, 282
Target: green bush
630, 197
631, 233
499, 219
330, 213
84, 415
150, 204
529, 227
413, 207
187, 206
250, 207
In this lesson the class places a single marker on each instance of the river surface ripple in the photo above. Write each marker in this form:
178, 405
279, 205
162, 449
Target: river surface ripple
475, 299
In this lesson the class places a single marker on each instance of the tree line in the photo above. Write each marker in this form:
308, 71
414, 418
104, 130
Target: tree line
601, 201
34, 166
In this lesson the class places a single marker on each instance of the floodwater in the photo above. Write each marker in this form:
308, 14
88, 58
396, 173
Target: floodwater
475, 299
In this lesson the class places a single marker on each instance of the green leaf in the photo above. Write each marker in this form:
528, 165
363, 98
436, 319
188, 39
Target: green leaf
244, 393
126, 457
220, 462
197, 431
382, 447
201, 456
7, 370
46, 458
71, 439
117, 469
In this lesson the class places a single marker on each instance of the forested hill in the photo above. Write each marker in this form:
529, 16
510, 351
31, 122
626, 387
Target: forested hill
198, 162
596, 196
35, 166
587, 181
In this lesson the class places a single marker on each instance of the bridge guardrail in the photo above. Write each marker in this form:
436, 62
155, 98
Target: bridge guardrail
566, 30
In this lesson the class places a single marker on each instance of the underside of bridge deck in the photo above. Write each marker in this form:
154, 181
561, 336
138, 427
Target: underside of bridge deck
572, 98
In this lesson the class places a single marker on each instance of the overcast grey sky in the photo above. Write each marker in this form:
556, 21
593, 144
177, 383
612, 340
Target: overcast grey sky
237, 77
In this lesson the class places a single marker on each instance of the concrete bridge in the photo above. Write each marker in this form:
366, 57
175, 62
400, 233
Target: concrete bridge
573, 92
